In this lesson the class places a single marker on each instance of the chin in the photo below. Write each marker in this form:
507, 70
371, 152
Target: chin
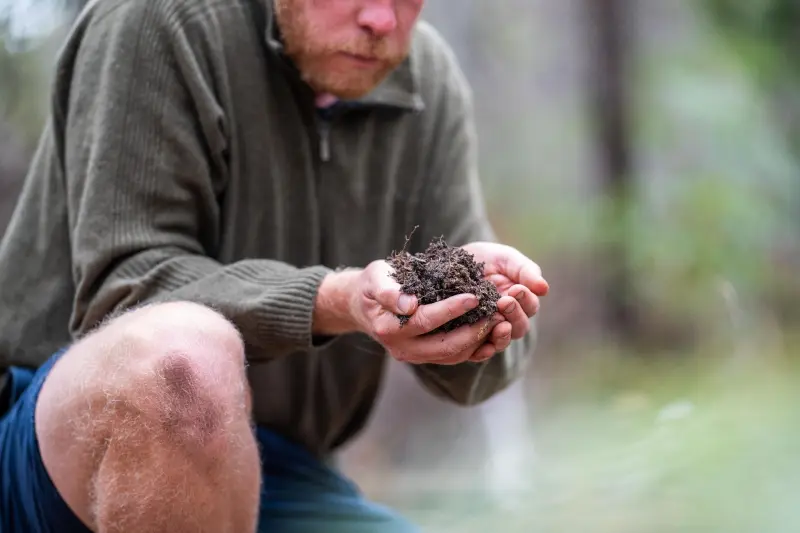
340, 78
350, 94
343, 91
356, 88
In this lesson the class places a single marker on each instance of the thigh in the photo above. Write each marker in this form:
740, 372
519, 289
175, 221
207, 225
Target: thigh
302, 495
29, 500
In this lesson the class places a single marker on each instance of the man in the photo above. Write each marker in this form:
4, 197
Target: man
194, 313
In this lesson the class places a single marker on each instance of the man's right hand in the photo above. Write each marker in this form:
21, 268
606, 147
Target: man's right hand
376, 300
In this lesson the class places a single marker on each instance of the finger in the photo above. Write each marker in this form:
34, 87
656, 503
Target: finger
520, 269
534, 281
498, 280
499, 340
500, 337
428, 317
455, 346
528, 300
387, 292
388, 329
484, 353
513, 313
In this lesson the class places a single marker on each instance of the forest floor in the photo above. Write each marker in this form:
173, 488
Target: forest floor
687, 445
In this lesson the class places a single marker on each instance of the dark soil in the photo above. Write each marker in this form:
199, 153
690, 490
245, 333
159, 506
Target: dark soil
440, 272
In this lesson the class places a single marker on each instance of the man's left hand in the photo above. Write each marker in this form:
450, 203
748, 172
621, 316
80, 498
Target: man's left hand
520, 284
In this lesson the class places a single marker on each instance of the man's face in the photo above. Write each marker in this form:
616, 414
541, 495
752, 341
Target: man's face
347, 47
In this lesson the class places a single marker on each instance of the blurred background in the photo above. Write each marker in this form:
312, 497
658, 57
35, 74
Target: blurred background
645, 153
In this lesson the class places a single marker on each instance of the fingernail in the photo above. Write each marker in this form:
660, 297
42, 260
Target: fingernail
510, 308
470, 303
405, 303
519, 296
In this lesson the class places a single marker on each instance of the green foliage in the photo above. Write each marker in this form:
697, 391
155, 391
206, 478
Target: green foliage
716, 189
25, 65
764, 36
22, 92
720, 182
763, 32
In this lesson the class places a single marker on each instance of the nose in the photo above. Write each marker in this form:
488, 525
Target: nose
378, 18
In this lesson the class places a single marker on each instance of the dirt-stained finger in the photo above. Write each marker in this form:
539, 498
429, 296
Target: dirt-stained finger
501, 336
430, 316
458, 345
528, 300
484, 353
512, 311
386, 291
524, 271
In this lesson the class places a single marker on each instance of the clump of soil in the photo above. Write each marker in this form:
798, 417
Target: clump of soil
442, 271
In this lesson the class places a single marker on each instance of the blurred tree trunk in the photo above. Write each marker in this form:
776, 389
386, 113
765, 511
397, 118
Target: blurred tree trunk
608, 50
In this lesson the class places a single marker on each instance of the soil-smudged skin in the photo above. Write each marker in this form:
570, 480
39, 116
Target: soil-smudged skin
442, 271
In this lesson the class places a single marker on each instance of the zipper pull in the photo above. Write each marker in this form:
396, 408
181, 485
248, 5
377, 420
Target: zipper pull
324, 142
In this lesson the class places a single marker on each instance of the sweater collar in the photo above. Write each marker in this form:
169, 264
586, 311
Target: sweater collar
399, 89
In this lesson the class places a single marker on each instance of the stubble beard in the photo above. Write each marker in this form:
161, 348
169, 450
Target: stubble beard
317, 60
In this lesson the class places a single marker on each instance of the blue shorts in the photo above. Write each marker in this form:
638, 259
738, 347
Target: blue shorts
298, 493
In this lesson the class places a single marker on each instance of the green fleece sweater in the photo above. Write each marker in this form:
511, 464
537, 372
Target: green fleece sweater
184, 159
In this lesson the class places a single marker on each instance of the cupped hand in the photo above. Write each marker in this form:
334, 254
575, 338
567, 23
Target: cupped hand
520, 284
377, 302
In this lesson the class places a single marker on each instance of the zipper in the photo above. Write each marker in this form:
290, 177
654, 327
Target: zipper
323, 127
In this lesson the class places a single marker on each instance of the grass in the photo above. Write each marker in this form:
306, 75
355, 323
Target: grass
688, 444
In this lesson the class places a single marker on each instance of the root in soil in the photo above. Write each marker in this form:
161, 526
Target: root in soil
438, 273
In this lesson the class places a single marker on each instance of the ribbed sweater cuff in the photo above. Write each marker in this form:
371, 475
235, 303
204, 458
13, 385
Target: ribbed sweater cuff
288, 311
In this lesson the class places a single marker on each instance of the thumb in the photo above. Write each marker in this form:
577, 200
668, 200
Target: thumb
389, 295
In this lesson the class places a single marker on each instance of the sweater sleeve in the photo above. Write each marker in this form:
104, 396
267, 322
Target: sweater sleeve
144, 167
453, 206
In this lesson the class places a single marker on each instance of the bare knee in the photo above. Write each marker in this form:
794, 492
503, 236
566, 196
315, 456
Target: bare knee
167, 375
174, 356
178, 362
175, 327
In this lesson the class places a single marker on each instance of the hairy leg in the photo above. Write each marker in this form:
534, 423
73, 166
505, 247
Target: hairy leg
144, 425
